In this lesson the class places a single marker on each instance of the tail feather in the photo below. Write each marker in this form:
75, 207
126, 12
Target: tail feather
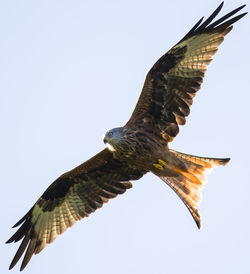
189, 182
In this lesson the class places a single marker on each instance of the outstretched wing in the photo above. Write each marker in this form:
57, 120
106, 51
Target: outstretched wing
173, 81
73, 196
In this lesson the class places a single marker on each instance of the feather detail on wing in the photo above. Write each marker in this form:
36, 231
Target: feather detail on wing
173, 81
73, 196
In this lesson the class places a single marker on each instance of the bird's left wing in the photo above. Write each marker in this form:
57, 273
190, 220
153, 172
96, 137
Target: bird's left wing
73, 196
173, 81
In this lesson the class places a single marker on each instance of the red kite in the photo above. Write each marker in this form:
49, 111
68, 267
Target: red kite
141, 146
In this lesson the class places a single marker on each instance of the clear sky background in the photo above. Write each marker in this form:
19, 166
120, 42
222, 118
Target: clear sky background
70, 70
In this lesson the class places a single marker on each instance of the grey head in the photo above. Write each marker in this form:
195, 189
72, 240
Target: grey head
113, 137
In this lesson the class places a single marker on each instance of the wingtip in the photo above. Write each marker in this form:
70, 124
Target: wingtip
219, 8
241, 7
12, 264
221, 5
10, 240
244, 13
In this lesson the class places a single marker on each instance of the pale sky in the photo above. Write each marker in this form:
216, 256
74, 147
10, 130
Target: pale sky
70, 71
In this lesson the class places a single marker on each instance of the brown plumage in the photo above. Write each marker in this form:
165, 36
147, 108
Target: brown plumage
139, 147
73, 196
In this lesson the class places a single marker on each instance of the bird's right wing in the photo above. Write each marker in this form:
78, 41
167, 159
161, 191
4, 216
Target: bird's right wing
73, 196
173, 81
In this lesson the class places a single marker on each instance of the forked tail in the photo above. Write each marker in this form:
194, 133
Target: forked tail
189, 182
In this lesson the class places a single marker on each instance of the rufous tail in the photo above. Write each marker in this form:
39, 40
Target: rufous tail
189, 182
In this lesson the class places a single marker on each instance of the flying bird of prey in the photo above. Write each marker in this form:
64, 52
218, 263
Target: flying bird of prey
141, 146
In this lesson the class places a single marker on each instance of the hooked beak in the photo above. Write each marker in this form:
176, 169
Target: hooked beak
105, 140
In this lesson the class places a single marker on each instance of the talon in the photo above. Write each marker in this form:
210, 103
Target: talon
162, 163
160, 167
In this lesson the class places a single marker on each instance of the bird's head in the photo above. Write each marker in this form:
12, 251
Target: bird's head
113, 138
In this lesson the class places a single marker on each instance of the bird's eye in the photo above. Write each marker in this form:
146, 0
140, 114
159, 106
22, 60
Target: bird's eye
110, 134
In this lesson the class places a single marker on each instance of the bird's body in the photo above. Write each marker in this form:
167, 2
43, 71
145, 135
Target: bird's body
144, 148
139, 147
